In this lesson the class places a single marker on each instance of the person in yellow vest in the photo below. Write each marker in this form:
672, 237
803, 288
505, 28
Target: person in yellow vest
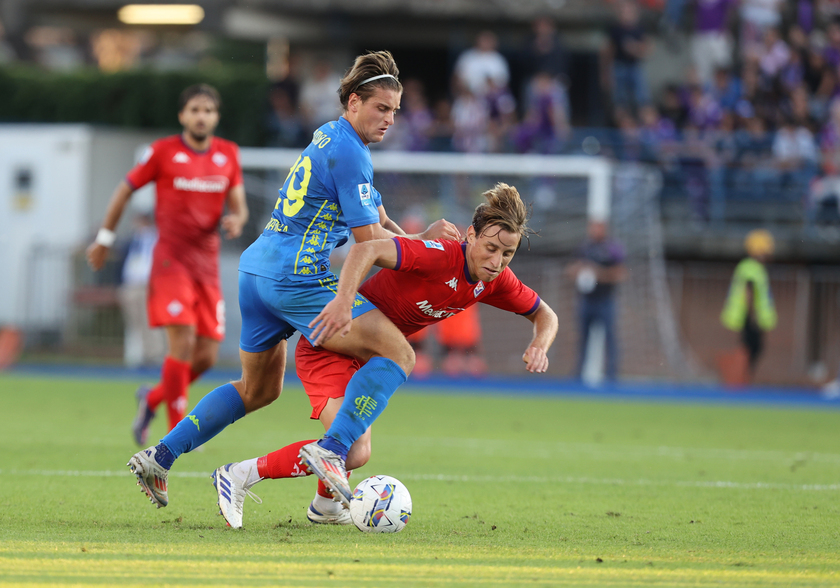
749, 308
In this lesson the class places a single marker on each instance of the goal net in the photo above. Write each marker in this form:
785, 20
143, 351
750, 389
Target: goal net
564, 192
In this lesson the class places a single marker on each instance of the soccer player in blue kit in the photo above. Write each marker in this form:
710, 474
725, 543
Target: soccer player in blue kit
285, 281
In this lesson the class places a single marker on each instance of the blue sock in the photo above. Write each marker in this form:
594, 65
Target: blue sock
366, 397
220, 408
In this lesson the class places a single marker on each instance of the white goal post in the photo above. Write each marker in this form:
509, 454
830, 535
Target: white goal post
596, 170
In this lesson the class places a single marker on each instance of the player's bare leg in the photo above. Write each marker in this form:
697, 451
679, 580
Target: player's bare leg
323, 509
389, 359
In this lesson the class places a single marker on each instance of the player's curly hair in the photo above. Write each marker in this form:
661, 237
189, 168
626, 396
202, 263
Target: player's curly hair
504, 209
199, 90
369, 65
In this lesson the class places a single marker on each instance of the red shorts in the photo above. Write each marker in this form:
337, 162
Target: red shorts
323, 373
175, 298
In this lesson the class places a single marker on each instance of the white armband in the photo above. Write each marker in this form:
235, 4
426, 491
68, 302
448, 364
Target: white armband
105, 237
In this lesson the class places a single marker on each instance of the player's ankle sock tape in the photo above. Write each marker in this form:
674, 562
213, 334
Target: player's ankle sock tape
365, 398
220, 408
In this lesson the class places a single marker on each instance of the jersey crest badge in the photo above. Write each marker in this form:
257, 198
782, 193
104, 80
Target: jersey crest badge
219, 159
364, 194
453, 283
174, 308
433, 245
181, 157
479, 288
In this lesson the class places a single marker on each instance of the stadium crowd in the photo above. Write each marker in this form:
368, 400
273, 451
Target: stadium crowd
754, 118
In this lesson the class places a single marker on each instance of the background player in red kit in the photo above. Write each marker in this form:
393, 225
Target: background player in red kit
426, 282
196, 175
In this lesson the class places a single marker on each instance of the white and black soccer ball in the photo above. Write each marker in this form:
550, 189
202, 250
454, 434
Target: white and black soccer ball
380, 504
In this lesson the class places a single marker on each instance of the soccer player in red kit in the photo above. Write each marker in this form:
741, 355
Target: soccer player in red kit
196, 175
424, 283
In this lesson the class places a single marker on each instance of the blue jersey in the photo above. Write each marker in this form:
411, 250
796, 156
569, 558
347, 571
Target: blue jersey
328, 191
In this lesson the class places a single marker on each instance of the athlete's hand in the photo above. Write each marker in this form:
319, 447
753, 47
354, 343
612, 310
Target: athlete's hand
442, 229
96, 255
536, 361
336, 317
232, 225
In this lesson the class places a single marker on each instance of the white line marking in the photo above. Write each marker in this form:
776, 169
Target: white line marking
482, 479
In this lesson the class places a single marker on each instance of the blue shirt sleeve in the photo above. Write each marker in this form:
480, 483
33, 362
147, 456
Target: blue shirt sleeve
353, 176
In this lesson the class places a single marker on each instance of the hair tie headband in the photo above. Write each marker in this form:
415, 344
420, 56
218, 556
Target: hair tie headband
379, 77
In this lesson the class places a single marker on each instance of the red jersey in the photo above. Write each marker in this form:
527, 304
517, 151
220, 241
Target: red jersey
431, 282
192, 188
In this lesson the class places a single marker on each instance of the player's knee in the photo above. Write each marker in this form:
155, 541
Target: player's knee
405, 357
258, 396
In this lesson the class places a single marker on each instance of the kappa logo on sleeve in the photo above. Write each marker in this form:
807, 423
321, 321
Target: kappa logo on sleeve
433, 245
364, 194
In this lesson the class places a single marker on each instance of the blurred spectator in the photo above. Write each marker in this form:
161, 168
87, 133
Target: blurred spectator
695, 157
623, 57
672, 107
319, 95
724, 144
753, 173
441, 129
481, 64
773, 54
501, 115
795, 158
544, 53
470, 119
284, 126
143, 345
749, 308
597, 271
756, 17
545, 126
711, 45
725, 89
415, 118
824, 202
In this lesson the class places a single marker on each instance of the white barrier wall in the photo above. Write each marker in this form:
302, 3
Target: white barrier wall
55, 181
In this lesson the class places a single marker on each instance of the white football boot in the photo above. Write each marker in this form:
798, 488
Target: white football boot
329, 467
326, 511
151, 476
231, 491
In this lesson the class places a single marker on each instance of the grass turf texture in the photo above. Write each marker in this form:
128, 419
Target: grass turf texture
507, 491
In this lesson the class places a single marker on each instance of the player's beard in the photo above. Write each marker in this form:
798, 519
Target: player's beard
198, 137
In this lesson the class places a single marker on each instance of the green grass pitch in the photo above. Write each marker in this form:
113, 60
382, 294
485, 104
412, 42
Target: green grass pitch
507, 491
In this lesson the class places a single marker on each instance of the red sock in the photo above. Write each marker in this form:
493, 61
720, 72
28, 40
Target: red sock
322, 488
283, 463
157, 394
174, 382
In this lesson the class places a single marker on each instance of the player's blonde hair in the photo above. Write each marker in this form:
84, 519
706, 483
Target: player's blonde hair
369, 65
504, 209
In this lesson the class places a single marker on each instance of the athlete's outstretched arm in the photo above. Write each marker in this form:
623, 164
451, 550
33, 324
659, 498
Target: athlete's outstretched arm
545, 329
237, 215
97, 251
338, 313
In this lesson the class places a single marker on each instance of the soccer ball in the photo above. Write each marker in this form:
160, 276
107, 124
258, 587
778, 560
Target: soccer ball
380, 504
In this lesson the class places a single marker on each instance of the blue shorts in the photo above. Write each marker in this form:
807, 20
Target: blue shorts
272, 310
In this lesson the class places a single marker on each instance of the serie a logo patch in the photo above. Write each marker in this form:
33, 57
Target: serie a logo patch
364, 193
